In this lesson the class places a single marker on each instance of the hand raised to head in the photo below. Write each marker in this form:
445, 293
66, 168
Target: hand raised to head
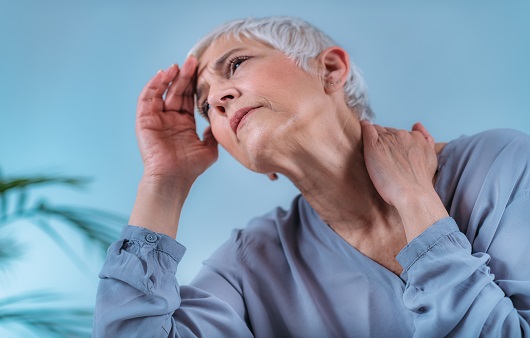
165, 126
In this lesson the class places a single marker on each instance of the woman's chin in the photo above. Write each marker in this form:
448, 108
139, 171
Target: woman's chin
261, 161
261, 145
261, 155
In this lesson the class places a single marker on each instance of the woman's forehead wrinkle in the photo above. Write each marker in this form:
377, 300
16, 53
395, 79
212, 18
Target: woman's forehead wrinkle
218, 64
214, 68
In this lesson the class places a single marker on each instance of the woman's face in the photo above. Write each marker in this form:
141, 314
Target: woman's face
258, 102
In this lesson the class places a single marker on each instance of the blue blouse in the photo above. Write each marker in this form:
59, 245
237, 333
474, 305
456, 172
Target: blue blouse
287, 274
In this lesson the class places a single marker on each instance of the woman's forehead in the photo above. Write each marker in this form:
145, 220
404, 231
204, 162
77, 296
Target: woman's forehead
225, 43
222, 49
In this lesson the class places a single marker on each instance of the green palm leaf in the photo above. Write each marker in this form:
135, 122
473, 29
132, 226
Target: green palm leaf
38, 311
20, 185
100, 228
32, 311
9, 251
24, 182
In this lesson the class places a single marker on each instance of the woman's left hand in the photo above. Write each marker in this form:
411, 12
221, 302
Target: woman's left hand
401, 165
398, 161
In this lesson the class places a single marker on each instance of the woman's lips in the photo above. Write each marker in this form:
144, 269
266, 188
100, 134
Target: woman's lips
238, 117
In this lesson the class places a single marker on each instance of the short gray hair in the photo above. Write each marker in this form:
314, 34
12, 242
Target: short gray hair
300, 41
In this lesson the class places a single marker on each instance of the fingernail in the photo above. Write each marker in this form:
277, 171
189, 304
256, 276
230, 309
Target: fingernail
186, 64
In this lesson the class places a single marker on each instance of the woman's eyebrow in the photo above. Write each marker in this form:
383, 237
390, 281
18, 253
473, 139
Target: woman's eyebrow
220, 61
218, 64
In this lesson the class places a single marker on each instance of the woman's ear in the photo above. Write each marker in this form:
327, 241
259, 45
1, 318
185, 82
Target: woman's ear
335, 67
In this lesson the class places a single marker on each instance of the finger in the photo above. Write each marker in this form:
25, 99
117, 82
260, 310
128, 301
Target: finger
181, 89
369, 133
151, 97
158, 84
421, 129
380, 129
392, 130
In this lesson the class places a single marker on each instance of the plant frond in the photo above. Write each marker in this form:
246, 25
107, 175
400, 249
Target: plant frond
3, 206
31, 311
21, 201
23, 182
100, 228
30, 296
9, 251
63, 244
58, 323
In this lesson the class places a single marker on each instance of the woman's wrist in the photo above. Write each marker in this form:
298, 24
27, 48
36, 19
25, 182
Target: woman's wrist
419, 210
166, 187
159, 203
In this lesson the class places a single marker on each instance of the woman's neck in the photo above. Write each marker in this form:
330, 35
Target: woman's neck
330, 172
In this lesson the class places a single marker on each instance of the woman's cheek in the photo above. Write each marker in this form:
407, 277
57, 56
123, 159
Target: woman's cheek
221, 130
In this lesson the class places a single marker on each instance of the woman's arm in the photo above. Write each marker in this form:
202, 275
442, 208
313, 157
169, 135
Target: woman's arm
450, 287
172, 152
138, 294
402, 165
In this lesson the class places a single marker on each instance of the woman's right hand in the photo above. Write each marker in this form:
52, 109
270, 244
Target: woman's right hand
171, 150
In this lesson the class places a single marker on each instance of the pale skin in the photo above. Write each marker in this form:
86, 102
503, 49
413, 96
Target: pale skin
372, 185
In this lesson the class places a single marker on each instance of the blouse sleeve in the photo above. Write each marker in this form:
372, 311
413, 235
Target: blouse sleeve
138, 294
452, 292
470, 276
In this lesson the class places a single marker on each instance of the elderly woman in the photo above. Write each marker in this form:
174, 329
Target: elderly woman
392, 235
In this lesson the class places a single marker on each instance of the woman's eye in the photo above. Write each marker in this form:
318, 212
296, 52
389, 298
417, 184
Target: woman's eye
235, 63
204, 109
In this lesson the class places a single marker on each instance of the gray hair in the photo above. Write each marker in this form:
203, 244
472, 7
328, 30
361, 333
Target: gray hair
300, 41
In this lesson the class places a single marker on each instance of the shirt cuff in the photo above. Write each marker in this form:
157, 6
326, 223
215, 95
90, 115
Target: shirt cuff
420, 245
160, 241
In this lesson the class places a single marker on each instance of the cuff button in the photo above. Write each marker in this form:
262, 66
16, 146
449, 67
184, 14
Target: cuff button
151, 238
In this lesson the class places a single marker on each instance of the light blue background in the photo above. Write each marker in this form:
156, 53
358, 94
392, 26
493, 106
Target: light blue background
70, 73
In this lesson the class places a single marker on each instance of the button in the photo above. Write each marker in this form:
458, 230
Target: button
151, 238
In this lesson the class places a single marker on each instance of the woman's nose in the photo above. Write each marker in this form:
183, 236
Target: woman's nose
221, 99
